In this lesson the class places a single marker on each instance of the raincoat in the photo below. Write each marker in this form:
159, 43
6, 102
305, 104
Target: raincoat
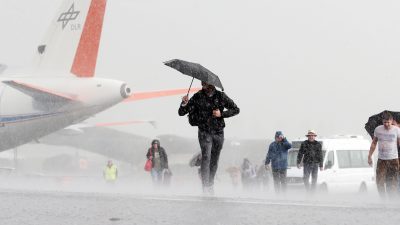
277, 154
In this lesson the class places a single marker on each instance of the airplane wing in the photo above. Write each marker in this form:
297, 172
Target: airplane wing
40, 94
123, 123
157, 94
79, 128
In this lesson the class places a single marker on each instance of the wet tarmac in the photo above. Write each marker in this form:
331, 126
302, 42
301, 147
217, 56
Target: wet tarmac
94, 205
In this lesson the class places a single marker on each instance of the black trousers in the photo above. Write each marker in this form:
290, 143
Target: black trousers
279, 176
310, 169
211, 146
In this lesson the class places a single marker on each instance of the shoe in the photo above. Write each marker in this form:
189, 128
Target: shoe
211, 190
208, 190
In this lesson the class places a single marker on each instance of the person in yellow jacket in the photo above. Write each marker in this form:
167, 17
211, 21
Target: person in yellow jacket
110, 173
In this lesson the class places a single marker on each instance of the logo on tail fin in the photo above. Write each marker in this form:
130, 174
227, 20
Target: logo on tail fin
65, 17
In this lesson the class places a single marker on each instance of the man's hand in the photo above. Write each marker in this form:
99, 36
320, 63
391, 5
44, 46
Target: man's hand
185, 100
150, 157
298, 166
267, 167
370, 160
216, 113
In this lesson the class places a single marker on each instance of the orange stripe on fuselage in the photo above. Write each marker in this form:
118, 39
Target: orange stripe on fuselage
86, 55
158, 94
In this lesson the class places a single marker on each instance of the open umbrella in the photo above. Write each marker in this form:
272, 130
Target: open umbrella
195, 70
376, 120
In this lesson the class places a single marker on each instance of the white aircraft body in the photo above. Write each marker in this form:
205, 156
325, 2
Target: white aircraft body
62, 89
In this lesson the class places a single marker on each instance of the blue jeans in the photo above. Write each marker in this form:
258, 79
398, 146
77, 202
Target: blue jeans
312, 169
211, 146
156, 176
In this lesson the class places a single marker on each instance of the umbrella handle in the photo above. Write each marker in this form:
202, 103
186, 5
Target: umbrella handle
190, 87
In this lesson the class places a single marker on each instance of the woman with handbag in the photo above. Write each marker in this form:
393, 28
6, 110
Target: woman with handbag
159, 161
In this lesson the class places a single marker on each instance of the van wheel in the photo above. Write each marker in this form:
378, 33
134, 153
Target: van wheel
323, 188
363, 188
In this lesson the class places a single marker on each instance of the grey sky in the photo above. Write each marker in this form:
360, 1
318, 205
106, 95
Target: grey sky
289, 65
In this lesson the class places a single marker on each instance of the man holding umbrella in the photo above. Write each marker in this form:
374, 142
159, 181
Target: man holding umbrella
207, 109
209, 104
387, 136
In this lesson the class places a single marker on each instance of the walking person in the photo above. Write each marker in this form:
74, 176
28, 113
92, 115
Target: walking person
397, 124
387, 136
310, 153
248, 174
110, 172
278, 157
234, 174
159, 158
263, 177
207, 111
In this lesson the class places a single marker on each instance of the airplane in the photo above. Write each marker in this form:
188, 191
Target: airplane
61, 90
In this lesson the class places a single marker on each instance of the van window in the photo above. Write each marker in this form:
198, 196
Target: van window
352, 158
292, 158
330, 160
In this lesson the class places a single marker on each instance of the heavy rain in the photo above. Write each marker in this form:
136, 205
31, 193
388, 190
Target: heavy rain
95, 129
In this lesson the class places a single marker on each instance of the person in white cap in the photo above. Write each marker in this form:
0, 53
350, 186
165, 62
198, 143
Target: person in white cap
311, 154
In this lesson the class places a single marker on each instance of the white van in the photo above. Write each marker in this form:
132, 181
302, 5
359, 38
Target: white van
345, 165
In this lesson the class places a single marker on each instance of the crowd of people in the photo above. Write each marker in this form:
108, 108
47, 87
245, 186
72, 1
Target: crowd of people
207, 110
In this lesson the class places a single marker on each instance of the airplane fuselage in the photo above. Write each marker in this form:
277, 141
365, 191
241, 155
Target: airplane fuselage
33, 107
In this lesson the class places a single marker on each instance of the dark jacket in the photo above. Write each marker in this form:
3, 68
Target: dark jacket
278, 154
310, 152
163, 156
203, 106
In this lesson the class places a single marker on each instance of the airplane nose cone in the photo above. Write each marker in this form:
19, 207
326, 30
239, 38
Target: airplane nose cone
125, 91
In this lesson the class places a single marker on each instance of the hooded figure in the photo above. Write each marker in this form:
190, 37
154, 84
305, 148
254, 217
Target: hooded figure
277, 156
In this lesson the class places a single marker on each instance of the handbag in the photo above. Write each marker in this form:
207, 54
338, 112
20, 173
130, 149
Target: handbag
149, 164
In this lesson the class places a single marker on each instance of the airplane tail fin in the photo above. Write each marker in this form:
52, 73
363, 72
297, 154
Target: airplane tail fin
72, 42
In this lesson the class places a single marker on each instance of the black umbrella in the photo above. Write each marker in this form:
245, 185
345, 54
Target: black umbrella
195, 70
376, 120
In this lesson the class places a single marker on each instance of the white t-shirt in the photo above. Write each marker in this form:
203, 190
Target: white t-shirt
387, 142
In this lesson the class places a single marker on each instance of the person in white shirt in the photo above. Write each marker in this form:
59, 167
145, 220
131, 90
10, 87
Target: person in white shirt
387, 136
